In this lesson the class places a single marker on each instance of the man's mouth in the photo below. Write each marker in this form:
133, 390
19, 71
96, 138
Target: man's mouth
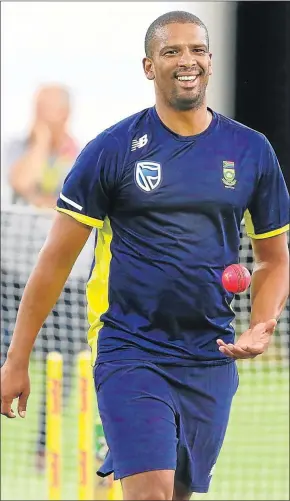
187, 78
187, 81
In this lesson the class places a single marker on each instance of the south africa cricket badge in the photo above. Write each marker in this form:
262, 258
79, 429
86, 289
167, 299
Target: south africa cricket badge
229, 174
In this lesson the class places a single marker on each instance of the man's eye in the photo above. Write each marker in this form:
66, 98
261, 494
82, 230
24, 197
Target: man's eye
199, 51
170, 52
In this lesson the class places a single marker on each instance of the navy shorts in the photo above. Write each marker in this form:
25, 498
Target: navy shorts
164, 417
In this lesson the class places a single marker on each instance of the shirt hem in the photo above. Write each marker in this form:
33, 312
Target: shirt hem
101, 358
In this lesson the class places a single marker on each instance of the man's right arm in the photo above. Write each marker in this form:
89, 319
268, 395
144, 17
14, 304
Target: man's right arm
82, 204
56, 259
65, 241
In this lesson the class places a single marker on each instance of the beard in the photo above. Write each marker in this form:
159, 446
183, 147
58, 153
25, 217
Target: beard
190, 102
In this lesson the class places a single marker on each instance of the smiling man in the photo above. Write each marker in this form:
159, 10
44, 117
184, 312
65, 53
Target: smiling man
178, 85
167, 189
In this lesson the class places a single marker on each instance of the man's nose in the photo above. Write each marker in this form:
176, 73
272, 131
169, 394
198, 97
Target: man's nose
187, 59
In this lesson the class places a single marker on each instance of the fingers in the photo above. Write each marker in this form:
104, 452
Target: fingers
22, 404
6, 409
226, 351
240, 351
234, 351
251, 343
225, 348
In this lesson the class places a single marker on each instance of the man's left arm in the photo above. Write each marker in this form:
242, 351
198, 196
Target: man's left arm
267, 222
270, 279
269, 293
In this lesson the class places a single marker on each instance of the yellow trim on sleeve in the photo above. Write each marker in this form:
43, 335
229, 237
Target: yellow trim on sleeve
251, 230
89, 221
270, 234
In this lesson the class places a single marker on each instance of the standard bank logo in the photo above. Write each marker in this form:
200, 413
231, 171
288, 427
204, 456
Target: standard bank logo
148, 175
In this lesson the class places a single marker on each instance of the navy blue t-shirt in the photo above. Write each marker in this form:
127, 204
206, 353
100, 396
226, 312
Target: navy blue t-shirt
168, 210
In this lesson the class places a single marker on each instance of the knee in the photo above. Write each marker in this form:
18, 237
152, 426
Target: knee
149, 486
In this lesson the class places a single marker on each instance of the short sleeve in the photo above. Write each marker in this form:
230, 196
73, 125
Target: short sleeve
89, 186
268, 211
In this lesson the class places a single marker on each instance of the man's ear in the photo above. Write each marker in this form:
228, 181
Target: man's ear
148, 68
210, 63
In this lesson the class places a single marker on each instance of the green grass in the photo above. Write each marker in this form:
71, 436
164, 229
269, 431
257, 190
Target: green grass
254, 461
253, 464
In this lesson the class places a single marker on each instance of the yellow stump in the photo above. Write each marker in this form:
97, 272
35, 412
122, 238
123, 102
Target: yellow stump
115, 491
85, 428
53, 424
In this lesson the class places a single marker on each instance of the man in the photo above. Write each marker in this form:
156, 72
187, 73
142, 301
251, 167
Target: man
167, 189
38, 164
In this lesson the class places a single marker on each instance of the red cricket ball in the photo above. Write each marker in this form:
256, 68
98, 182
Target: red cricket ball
236, 278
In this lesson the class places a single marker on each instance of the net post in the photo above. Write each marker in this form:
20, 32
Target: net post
54, 374
115, 491
85, 428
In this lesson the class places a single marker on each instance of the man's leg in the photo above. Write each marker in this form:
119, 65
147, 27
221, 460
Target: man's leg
159, 485
150, 485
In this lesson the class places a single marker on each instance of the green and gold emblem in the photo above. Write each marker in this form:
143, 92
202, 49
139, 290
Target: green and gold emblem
229, 174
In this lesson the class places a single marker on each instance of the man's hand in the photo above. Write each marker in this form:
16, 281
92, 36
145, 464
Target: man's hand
15, 383
251, 343
41, 134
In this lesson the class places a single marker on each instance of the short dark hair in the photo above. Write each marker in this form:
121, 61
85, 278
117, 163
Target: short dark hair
176, 16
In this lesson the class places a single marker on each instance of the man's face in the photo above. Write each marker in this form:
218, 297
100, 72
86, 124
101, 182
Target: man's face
180, 65
52, 106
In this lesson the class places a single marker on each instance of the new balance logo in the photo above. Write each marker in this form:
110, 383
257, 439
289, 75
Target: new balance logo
139, 143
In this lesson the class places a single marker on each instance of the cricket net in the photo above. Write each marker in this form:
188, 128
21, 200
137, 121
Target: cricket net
254, 462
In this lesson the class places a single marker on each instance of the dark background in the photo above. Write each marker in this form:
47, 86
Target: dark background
263, 73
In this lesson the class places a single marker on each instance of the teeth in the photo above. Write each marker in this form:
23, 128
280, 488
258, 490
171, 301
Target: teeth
192, 78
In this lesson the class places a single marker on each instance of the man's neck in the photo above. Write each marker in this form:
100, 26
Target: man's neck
185, 123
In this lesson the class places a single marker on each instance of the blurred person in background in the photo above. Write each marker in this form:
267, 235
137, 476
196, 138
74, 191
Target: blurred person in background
36, 167
37, 164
